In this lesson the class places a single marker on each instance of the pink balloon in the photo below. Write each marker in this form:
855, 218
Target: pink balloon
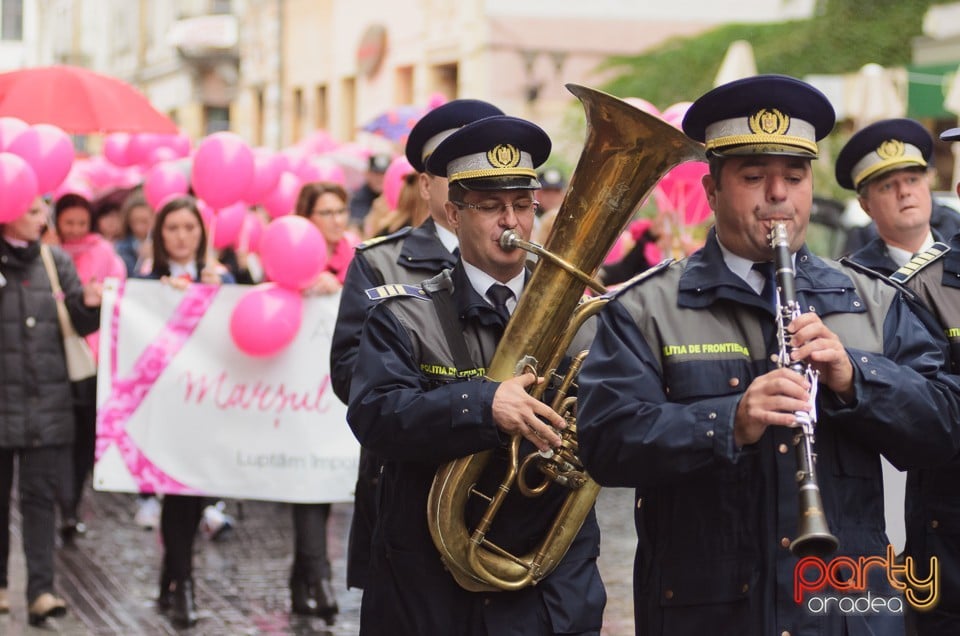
293, 252
251, 233
10, 128
266, 320
161, 181
74, 185
436, 99
180, 144
141, 146
681, 192
18, 183
228, 224
317, 142
206, 212
115, 149
222, 169
393, 180
314, 171
266, 173
674, 114
283, 199
48, 150
160, 154
644, 105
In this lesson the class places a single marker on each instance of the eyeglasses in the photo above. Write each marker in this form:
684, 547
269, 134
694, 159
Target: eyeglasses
326, 214
496, 208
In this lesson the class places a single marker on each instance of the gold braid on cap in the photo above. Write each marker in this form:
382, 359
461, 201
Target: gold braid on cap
780, 140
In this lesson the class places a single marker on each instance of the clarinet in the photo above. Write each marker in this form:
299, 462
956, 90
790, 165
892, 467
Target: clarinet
813, 533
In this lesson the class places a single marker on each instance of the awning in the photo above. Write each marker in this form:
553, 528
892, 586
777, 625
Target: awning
927, 87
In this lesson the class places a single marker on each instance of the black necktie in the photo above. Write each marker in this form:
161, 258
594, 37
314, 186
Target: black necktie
500, 294
769, 291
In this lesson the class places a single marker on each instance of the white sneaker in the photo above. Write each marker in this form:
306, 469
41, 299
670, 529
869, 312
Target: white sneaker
148, 513
216, 523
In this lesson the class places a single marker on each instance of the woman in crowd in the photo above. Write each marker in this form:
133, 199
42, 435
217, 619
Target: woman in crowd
411, 210
94, 258
179, 258
134, 246
324, 204
36, 415
107, 217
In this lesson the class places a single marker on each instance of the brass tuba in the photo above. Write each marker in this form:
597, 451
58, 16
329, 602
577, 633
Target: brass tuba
626, 153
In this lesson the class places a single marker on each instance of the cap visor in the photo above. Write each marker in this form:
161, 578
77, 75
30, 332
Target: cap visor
763, 149
500, 183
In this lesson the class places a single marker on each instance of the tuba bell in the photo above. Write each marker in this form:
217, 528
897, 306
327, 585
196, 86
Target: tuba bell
626, 153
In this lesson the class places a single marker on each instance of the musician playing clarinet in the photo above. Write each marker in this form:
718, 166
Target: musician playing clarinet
701, 396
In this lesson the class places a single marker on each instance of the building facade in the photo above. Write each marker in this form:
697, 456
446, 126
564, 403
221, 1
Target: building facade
276, 70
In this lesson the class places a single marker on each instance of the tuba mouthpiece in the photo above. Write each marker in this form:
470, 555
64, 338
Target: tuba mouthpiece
509, 240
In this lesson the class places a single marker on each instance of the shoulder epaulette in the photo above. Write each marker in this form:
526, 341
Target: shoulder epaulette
919, 261
639, 278
379, 240
397, 289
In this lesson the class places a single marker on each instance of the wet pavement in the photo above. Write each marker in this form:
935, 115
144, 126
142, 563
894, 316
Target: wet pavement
109, 577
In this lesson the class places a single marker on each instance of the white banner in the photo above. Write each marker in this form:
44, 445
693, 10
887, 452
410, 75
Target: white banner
181, 410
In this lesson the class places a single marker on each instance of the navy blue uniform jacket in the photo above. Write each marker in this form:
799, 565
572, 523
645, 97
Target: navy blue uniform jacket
658, 396
408, 406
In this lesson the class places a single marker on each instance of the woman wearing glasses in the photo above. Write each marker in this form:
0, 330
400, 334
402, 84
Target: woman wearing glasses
325, 205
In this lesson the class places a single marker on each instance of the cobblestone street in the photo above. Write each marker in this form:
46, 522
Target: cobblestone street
109, 578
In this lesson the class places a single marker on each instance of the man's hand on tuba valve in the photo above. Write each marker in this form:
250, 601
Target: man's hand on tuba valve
516, 412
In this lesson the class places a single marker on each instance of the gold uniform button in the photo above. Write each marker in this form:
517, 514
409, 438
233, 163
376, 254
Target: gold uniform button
785, 542
734, 382
745, 588
668, 594
934, 524
782, 448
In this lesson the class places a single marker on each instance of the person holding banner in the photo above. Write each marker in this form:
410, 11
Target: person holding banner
181, 257
311, 592
95, 260
36, 410
410, 255
419, 399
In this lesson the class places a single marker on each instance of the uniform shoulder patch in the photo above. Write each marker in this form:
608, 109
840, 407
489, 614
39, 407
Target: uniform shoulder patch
379, 240
394, 290
647, 274
919, 261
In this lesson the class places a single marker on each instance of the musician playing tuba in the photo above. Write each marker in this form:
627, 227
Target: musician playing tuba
685, 398
419, 399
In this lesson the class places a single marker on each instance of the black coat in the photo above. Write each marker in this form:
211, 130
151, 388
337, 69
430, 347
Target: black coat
36, 403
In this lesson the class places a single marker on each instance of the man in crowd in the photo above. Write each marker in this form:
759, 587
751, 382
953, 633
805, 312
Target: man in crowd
410, 255
362, 199
681, 397
419, 399
886, 164
550, 196
933, 492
